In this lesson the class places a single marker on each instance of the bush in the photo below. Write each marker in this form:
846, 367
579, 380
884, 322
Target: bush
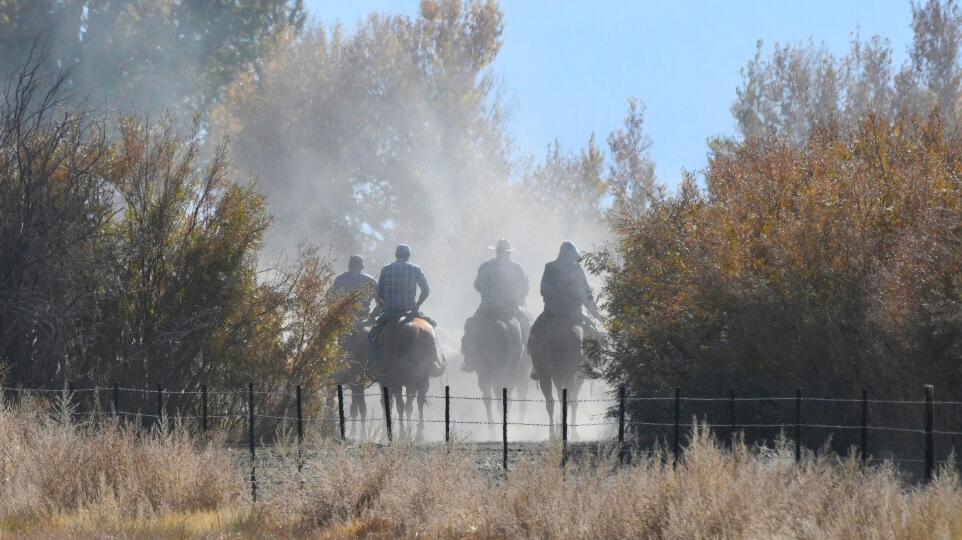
832, 267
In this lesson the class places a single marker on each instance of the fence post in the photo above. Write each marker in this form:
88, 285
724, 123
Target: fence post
675, 447
387, 412
300, 429
160, 401
621, 423
564, 427
504, 429
250, 424
447, 413
798, 425
733, 427
929, 435
340, 410
203, 406
864, 441
116, 398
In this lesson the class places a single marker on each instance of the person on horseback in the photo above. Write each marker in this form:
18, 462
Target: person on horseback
353, 280
565, 289
397, 286
503, 286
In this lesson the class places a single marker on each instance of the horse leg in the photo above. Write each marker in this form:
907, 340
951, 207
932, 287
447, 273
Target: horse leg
545, 385
422, 400
486, 393
399, 403
573, 404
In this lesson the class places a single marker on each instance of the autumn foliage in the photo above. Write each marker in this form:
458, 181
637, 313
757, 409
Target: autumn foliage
832, 266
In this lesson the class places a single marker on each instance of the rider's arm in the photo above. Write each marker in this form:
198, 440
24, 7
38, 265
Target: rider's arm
425, 290
587, 298
477, 280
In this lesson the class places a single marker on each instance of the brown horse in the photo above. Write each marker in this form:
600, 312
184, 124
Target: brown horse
355, 375
409, 352
555, 346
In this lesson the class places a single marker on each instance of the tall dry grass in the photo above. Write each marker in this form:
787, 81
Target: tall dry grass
63, 480
50, 464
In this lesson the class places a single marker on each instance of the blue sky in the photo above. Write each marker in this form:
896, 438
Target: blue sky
568, 68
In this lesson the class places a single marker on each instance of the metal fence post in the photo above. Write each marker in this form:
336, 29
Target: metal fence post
387, 412
160, 401
621, 423
116, 398
564, 427
300, 429
504, 430
203, 406
675, 443
864, 441
929, 435
340, 410
798, 425
733, 427
447, 414
250, 424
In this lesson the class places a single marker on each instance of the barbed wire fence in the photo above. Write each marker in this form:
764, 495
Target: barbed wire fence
234, 412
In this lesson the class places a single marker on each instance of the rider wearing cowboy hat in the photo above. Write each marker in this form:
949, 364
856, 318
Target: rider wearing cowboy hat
503, 286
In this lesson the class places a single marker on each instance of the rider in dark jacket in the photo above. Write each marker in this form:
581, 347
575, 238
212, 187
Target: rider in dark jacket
356, 280
564, 287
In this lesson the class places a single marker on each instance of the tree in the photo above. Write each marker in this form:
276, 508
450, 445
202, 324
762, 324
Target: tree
148, 55
798, 87
631, 177
831, 266
384, 131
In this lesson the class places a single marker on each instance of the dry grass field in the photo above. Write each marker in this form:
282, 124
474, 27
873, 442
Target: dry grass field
61, 480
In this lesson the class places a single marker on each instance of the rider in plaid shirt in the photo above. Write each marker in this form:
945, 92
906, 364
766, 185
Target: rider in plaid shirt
396, 292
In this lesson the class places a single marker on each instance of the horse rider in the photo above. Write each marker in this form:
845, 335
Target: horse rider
503, 286
397, 286
355, 279
565, 289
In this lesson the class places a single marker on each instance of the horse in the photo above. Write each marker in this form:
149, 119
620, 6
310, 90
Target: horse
409, 352
355, 375
497, 356
556, 351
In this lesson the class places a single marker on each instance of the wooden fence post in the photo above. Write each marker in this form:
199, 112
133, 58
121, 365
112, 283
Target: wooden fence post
929, 435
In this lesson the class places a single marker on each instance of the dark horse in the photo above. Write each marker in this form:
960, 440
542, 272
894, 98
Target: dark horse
497, 355
355, 375
555, 346
409, 351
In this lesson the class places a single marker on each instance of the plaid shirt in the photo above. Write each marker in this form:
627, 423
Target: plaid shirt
350, 281
397, 286
502, 282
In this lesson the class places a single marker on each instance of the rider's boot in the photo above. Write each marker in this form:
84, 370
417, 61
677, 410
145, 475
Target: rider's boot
468, 365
